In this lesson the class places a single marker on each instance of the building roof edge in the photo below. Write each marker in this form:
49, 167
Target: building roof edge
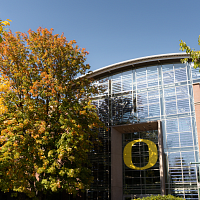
147, 59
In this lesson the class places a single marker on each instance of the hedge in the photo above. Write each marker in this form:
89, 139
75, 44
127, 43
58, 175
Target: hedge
159, 197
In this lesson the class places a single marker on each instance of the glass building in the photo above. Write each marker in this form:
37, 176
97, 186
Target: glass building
147, 101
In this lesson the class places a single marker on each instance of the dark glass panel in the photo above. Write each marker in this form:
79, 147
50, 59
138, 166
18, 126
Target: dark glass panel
141, 181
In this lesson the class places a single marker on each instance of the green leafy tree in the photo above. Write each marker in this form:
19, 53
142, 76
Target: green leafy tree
49, 118
194, 54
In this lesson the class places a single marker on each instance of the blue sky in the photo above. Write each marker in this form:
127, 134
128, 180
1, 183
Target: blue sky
111, 30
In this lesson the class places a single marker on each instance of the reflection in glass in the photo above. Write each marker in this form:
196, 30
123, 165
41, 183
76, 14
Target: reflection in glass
143, 94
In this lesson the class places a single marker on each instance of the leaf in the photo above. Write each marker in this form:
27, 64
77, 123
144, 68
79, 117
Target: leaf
2, 27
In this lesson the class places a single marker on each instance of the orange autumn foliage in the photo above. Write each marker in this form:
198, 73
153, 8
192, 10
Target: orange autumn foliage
45, 128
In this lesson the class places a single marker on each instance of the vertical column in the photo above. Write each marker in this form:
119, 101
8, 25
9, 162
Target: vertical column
161, 159
116, 165
196, 94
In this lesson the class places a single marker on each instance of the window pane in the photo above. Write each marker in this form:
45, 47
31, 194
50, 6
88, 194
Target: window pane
143, 111
182, 92
186, 139
141, 71
142, 98
173, 140
185, 124
168, 77
167, 67
152, 70
180, 75
127, 85
169, 94
116, 87
170, 108
172, 126
154, 110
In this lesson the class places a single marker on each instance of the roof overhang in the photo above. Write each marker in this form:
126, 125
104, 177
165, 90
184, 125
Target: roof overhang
137, 127
137, 62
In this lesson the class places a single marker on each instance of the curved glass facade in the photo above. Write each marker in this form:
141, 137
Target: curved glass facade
143, 94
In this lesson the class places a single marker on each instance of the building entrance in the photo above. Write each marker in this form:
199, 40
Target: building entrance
142, 173
139, 182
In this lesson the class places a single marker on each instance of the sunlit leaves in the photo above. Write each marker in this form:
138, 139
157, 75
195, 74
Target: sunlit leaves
3, 24
194, 54
48, 118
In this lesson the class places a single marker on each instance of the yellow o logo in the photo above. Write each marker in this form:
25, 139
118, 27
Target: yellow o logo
153, 154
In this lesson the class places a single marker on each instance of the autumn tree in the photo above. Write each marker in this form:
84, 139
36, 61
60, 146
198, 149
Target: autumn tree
3, 84
3, 24
194, 54
49, 118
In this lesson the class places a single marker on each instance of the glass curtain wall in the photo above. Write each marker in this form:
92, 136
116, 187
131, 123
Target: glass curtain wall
151, 93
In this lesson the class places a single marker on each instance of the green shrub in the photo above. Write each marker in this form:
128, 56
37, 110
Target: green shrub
159, 197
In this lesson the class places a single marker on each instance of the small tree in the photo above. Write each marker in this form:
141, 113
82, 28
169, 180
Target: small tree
194, 55
48, 122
